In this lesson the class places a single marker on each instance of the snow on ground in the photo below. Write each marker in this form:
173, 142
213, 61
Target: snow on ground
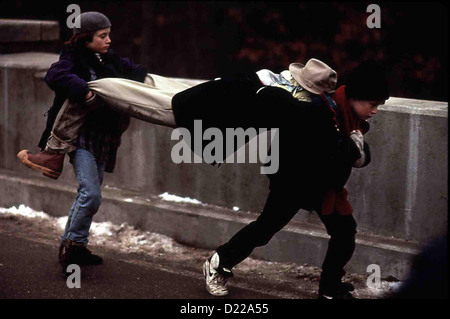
130, 239
127, 239
174, 198
23, 211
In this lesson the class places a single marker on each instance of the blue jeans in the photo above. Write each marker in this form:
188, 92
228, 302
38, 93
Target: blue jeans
89, 174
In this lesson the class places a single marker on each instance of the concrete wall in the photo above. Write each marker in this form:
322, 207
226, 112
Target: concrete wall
12, 30
29, 35
403, 193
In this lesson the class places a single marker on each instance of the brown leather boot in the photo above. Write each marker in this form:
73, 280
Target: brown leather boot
51, 165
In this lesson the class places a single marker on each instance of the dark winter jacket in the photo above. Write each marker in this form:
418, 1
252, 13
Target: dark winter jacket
314, 155
68, 78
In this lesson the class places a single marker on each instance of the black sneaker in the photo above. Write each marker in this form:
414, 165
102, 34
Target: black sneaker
71, 252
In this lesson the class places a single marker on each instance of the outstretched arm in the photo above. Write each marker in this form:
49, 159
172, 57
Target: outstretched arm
60, 78
132, 71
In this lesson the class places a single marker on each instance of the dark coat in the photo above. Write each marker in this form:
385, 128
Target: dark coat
68, 78
313, 154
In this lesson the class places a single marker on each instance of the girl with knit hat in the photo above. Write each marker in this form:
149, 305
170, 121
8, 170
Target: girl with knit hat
87, 56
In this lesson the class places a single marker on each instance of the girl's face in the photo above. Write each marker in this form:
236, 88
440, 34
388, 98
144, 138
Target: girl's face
100, 41
365, 109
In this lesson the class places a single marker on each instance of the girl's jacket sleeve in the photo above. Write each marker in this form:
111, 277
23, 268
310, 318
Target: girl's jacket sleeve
133, 71
61, 78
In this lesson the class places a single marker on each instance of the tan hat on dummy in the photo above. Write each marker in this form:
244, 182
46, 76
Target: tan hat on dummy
315, 76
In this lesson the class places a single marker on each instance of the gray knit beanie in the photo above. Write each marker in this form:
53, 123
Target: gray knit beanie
91, 21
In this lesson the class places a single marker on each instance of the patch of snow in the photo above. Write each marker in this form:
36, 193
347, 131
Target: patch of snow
23, 211
385, 288
102, 229
61, 222
395, 285
126, 237
174, 198
97, 229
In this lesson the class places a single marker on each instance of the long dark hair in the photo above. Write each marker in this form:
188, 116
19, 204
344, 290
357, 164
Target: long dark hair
78, 41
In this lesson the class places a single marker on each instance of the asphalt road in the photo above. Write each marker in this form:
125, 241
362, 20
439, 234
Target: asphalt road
30, 273
157, 283
29, 269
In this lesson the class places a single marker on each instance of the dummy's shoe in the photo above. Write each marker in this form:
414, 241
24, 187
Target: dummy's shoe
216, 278
71, 252
343, 291
50, 164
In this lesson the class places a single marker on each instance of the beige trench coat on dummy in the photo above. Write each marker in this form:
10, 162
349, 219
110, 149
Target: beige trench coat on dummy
150, 101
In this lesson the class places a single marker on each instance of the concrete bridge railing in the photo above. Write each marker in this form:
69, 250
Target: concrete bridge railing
18, 35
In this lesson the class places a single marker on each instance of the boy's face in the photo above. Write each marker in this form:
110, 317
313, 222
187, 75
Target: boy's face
100, 41
365, 109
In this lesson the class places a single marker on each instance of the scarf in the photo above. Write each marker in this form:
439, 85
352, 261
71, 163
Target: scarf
347, 121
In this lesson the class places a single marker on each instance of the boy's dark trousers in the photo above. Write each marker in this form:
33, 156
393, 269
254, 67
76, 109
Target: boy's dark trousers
279, 209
